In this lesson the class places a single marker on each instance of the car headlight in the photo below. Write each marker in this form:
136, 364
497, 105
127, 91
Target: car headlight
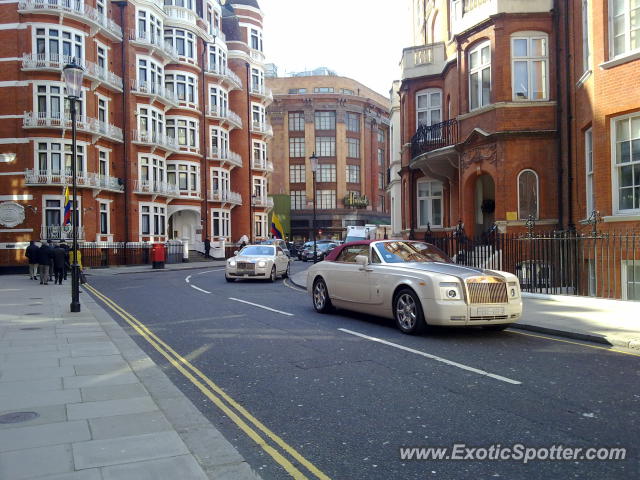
262, 264
450, 291
232, 263
513, 290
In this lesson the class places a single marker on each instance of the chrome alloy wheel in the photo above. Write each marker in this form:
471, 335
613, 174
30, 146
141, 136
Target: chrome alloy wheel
406, 311
320, 295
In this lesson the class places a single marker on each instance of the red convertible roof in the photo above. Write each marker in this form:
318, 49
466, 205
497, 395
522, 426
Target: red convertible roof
336, 251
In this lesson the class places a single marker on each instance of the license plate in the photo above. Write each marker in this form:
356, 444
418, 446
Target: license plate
486, 311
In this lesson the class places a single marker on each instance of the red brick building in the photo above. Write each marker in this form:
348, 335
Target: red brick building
172, 129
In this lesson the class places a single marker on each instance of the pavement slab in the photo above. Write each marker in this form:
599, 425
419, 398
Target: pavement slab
36, 462
183, 467
113, 392
127, 425
19, 438
108, 408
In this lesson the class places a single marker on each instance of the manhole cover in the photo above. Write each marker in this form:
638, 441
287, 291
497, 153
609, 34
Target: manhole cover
34, 313
18, 417
31, 328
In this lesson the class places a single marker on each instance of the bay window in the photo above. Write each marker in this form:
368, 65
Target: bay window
220, 223
480, 76
429, 107
150, 122
220, 181
59, 44
219, 142
56, 158
51, 101
258, 115
218, 100
183, 41
259, 154
152, 172
256, 39
184, 86
529, 54
153, 219
217, 59
150, 74
149, 27
185, 131
186, 176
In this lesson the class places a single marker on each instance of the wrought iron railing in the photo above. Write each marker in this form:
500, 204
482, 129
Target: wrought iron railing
106, 254
433, 137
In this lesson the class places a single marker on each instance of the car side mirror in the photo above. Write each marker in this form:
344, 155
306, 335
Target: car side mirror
362, 260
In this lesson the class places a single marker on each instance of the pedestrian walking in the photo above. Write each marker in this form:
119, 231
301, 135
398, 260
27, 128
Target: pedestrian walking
78, 260
44, 261
207, 247
32, 254
60, 261
51, 267
67, 266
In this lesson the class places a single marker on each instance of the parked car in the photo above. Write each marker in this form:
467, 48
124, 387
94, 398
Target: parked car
258, 261
309, 244
279, 243
414, 283
322, 250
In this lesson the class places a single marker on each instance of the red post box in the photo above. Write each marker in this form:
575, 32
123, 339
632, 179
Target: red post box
158, 255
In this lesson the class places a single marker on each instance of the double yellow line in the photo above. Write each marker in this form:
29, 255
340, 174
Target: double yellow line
250, 425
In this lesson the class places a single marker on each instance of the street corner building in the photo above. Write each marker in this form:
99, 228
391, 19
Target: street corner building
172, 127
514, 117
346, 125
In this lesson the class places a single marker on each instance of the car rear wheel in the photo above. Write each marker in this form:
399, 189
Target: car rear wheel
321, 300
497, 328
407, 311
287, 272
274, 275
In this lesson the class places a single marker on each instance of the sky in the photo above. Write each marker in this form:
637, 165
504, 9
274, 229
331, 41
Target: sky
359, 39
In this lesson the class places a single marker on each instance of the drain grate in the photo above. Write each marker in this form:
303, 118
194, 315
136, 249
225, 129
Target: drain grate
18, 417
31, 328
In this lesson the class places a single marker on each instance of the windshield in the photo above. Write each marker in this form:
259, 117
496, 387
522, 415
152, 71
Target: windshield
258, 250
401, 252
353, 238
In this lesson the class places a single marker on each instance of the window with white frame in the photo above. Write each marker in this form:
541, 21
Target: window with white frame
260, 188
213, 20
185, 131
220, 181
326, 172
152, 172
326, 199
188, 4
103, 109
186, 176
528, 194
631, 279
217, 59
218, 100
257, 115
381, 181
101, 8
588, 163
381, 158
353, 122
353, 147
102, 57
259, 154
256, 39
429, 203
56, 157
353, 173
326, 146
149, 27
183, 41
325, 120
381, 135
150, 122
219, 142
220, 223
104, 217
103, 163
298, 199
586, 36
428, 107
53, 216
529, 54
626, 163
51, 99
257, 80
297, 173
296, 122
296, 147
480, 76
59, 44
260, 225
184, 86
150, 74
153, 219
624, 27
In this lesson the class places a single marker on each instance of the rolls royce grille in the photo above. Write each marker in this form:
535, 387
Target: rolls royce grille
246, 267
487, 292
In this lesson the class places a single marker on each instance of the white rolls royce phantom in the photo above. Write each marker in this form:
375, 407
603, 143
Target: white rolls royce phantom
258, 261
414, 283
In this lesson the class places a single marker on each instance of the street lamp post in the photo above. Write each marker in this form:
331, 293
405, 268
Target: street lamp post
314, 169
73, 74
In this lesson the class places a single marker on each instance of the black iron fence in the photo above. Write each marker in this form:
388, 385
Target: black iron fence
433, 137
107, 254
567, 263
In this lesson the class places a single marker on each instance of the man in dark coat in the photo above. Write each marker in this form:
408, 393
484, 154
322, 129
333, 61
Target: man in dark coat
51, 267
67, 267
207, 247
45, 254
32, 254
60, 260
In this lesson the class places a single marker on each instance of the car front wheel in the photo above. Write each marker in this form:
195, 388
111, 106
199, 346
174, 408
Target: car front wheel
287, 272
407, 310
228, 279
274, 275
321, 300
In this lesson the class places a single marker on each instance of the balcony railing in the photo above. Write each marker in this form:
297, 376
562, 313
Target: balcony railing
225, 73
181, 14
469, 5
262, 128
433, 137
263, 165
156, 90
74, 8
40, 61
83, 124
263, 202
156, 43
225, 196
262, 91
256, 55
64, 177
155, 139
151, 187
60, 232
225, 115
226, 156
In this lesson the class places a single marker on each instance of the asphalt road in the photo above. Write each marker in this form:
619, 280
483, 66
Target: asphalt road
348, 404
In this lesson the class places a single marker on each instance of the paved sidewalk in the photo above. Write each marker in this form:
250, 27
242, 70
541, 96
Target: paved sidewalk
608, 322
79, 400
119, 270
